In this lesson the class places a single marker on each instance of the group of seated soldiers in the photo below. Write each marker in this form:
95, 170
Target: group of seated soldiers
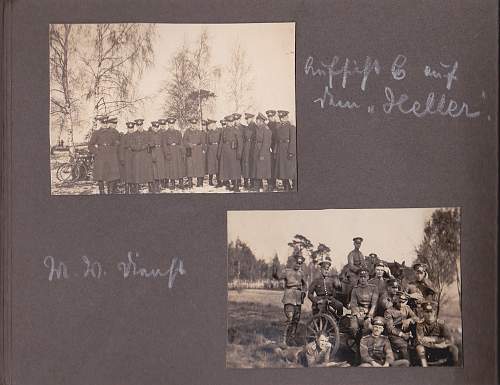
166, 157
382, 323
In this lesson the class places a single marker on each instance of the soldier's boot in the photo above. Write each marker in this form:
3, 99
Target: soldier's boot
199, 181
114, 187
293, 186
453, 355
150, 187
181, 183
156, 186
260, 185
286, 185
101, 187
245, 182
190, 183
236, 184
210, 177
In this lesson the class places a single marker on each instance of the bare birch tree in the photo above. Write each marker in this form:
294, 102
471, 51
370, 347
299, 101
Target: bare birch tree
239, 80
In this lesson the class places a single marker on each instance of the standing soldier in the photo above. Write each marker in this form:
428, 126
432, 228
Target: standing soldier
285, 149
140, 146
248, 134
241, 131
322, 290
375, 349
261, 154
157, 155
127, 158
229, 154
399, 320
175, 166
272, 124
195, 143
213, 137
104, 145
355, 262
162, 122
293, 297
434, 340
363, 303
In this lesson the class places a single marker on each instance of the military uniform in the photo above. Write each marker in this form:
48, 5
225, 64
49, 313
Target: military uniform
248, 133
381, 283
174, 152
322, 289
272, 124
104, 145
127, 158
229, 154
262, 153
315, 356
142, 162
213, 138
398, 323
434, 341
293, 297
195, 143
363, 304
285, 150
424, 287
157, 158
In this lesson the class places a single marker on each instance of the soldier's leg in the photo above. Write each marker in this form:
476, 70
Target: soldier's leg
157, 186
288, 310
400, 363
354, 326
421, 355
338, 306
101, 187
199, 181
190, 183
294, 185
399, 347
181, 183
236, 184
210, 177
296, 318
365, 365
452, 355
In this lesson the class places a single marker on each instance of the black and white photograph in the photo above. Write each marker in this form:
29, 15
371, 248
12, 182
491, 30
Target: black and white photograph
172, 108
344, 288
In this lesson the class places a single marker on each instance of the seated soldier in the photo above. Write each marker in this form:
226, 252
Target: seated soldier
434, 338
375, 349
363, 303
322, 290
421, 289
317, 353
399, 320
386, 300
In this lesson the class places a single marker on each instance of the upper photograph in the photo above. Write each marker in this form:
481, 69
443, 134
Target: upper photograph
172, 108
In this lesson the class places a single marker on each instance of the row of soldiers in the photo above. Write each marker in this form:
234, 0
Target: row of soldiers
163, 156
381, 301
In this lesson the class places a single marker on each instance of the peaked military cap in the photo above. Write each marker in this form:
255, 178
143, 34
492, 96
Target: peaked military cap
422, 267
229, 118
373, 255
204, 122
363, 272
162, 121
428, 306
401, 295
248, 115
325, 259
357, 239
171, 120
282, 113
193, 120
378, 321
392, 283
102, 118
139, 121
380, 263
155, 123
270, 113
236, 116
211, 121
130, 124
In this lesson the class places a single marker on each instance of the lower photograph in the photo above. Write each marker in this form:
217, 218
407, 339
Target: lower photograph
344, 288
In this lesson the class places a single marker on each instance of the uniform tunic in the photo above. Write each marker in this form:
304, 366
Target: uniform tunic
285, 151
436, 329
394, 319
261, 152
355, 261
272, 128
294, 286
213, 138
157, 155
376, 349
425, 287
229, 154
127, 157
196, 141
142, 170
174, 151
247, 134
104, 145
364, 300
315, 356
121, 165
381, 283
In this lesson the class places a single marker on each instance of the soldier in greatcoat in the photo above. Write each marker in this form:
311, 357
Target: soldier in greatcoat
143, 165
127, 158
174, 153
272, 124
162, 122
261, 165
194, 141
213, 138
104, 145
157, 155
229, 154
247, 134
285, 150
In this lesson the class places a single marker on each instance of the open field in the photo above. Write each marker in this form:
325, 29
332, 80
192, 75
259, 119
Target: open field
256, 323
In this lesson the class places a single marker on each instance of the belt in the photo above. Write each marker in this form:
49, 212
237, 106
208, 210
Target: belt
196, 144
105, 145
214, 143
284, 141
248, 140
293, 287
156, 145
171, 144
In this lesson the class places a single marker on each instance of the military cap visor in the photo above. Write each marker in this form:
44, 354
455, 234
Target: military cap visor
427, 307
282, 113
248, 116
171, 120
380, 264
193, 121
162, 121
204, 122
211, 121
363, 273
155, 124
261, 116
139, 121
392, 283
130, 124
372, 255
113, 120
102, 118
236, 115
378, 321
270, 113
357, 239
229, 118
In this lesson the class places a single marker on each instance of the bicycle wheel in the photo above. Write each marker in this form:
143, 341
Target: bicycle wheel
81, 170
65, 172
327, 325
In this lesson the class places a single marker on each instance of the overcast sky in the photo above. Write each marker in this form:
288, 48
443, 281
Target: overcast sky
270, 49
393, 234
